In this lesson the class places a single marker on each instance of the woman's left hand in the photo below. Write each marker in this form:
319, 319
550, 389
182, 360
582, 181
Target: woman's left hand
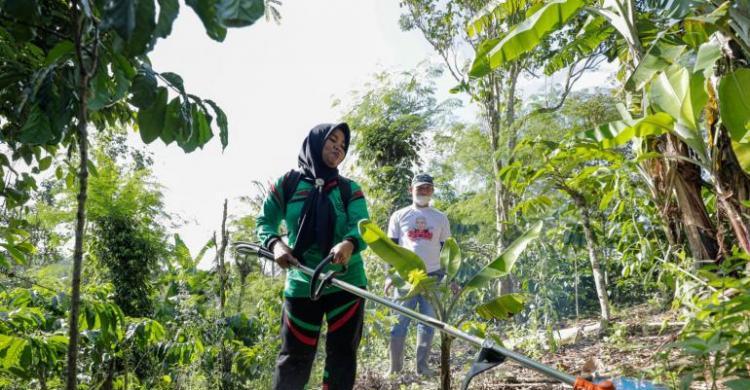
342, 252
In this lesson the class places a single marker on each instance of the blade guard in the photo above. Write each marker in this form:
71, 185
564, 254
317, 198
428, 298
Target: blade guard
487, 358
583, 384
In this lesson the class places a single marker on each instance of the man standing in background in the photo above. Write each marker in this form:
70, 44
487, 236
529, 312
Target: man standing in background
423, 230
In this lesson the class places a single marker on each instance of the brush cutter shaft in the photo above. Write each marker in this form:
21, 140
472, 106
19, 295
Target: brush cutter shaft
429, 321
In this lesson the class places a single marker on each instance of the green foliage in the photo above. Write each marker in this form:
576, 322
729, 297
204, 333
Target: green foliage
503, 307
716, 335
130, 251
392, 118
450, 258
402, 260
528, 34
446, 296
411, 269
503, 264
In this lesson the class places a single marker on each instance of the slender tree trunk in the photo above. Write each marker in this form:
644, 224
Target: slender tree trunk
85, 75
225, 361
445, 361
220, 258
491, 105
575, 271
510, 112
241, 295
588, 231
507, 201
108, 381
42, 380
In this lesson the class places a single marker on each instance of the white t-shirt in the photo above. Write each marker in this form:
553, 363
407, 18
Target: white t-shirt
421, 230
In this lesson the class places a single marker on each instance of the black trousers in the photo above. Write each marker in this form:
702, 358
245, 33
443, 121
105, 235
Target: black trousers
301, 322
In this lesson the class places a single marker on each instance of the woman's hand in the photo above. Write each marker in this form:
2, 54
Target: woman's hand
342, 252
282, 254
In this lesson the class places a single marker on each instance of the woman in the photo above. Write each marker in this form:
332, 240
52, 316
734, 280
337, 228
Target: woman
319, 222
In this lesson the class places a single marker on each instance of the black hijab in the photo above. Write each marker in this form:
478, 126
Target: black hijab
317, 219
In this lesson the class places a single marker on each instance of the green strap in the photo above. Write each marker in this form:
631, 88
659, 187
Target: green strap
303, 324
338, 310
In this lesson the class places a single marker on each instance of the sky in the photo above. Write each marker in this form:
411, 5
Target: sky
275, 82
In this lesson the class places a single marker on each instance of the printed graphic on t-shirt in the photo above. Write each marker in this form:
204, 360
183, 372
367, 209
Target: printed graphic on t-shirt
420, 230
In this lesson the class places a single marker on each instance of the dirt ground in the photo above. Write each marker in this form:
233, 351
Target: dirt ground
637, 336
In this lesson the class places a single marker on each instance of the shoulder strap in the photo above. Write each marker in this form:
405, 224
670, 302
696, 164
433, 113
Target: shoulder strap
292, 178
345, 188
289, 186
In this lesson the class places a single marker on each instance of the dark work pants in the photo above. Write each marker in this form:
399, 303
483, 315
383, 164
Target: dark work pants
301, 322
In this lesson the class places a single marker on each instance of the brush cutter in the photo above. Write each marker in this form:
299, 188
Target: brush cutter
490, 354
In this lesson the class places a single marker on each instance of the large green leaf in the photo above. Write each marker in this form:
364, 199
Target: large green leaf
37, 129
221, 120
618, 133
739, 20
495, 10
143, 89
168, 10
699, 28
450, 258
502, 307
611, 11
502, 265
527, 35
119, 15
207, 11
656, 60
175, 81
401, 259
672, 9
240, 13
734, 102
742, 151
62, 48
682, 95
151, 118
145, 15
481, 65
202, 126
172, 121
708, 54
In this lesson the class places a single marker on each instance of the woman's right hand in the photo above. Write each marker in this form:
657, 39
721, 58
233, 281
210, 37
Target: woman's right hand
282, 254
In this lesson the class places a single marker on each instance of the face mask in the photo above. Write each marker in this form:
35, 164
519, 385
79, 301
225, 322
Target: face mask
422, 200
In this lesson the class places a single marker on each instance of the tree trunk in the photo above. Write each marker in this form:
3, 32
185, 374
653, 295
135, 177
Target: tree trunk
445, 361
109, 380
687, 185
220, 258
575, 271
588, 231
732, 183
510, 112
42, 380
506, 201
82, 137
492, 114
224, 359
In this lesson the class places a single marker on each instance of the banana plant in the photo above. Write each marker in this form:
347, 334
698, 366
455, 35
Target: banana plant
449, 295
683, 71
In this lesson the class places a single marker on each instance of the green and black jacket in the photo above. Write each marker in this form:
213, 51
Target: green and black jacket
269, 220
